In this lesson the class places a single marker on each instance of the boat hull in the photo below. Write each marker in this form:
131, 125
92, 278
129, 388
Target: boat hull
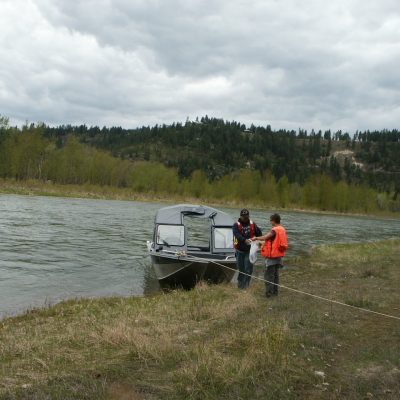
186, 272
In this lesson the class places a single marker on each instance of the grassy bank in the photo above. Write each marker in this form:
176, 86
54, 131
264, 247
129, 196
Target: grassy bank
220, 343
39, 188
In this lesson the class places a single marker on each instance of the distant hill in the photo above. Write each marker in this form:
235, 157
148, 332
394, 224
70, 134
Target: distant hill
220, 147
212, 160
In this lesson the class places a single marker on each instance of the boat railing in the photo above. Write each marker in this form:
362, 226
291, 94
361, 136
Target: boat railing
183, 253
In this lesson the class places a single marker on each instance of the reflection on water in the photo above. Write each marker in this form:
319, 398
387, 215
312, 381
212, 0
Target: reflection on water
56, 248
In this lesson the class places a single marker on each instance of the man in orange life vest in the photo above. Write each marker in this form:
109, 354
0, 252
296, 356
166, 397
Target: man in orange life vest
243, 230
273, 250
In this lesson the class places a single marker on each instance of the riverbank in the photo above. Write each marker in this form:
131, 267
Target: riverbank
89, 191
220, 343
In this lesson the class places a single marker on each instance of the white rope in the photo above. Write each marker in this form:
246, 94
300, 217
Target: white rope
300, 291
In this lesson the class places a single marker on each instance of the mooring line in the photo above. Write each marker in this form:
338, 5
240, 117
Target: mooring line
297, 290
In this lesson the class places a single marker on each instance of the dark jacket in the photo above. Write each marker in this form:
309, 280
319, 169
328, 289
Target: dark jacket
241, 237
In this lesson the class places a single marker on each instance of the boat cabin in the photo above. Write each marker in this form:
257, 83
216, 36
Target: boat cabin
193, 229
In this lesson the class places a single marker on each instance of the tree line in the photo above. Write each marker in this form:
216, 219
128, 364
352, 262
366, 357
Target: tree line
43, 153
219, 147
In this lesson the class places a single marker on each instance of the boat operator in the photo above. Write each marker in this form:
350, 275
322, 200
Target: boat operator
243, 230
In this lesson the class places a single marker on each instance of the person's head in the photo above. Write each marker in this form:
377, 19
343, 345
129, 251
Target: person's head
275, 219
244, 216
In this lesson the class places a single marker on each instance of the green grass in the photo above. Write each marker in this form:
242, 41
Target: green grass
216, 342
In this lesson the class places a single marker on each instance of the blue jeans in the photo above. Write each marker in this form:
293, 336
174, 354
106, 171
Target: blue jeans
244, 265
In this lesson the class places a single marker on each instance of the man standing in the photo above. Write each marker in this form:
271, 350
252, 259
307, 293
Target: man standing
243, 230
273, 250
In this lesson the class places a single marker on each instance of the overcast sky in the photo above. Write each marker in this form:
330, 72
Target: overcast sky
288, 63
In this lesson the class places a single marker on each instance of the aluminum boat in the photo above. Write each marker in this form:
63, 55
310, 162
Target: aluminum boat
182, 254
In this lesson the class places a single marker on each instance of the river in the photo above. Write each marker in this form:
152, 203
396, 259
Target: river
57, 248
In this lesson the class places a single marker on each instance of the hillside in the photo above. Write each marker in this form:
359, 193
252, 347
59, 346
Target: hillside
219, 147
212, 160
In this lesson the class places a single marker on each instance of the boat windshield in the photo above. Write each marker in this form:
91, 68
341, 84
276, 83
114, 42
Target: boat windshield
223, 238
171, 235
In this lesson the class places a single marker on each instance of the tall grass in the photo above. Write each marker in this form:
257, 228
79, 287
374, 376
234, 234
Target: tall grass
216, 342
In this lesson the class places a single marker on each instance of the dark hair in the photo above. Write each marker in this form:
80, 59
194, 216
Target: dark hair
276, 218
244, 212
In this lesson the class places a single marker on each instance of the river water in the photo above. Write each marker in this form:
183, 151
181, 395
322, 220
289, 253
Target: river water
58, 248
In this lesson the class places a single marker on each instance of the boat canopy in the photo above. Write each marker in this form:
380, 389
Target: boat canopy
174, 215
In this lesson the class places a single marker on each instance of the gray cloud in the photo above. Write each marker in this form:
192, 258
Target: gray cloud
119, 62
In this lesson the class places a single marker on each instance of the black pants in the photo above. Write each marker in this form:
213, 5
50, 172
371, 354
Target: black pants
271, 274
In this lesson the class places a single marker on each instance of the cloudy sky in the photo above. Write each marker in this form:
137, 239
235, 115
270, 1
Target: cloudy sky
288, 63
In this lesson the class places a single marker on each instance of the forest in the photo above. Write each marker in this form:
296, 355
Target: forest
210, 159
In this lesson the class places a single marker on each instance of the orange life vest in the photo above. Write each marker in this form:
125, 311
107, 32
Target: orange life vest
277, 247
240, 227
